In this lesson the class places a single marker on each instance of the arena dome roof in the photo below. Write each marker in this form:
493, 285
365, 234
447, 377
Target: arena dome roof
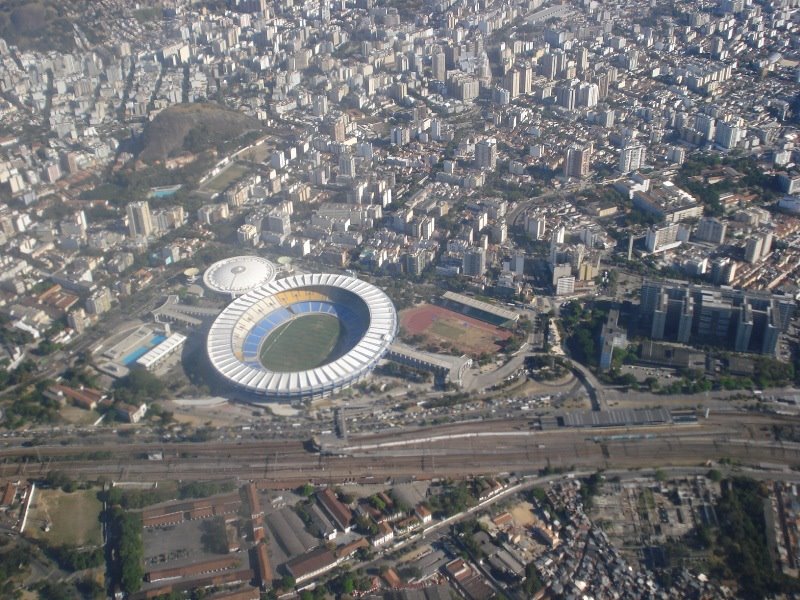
239, 274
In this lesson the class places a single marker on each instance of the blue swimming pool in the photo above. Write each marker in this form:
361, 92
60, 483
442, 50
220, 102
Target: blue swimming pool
164, 192
142, 350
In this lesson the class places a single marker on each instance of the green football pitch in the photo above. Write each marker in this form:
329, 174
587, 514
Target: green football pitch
303, 343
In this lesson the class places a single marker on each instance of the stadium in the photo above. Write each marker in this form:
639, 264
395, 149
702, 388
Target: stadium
305, 336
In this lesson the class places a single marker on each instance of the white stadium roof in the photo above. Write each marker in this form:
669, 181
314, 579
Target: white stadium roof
239, 274
228, 332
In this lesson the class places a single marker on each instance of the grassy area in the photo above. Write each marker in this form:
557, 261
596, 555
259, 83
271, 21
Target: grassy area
258, 153
228, 176
74, 518
446, 330
303, 343
79, 416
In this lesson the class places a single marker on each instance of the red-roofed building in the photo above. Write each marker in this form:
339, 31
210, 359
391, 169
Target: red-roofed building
264, 567
86, 398
131, 413
347, 550
423, 513
340, 514
392, 579
8, 494
312, 564
252, 499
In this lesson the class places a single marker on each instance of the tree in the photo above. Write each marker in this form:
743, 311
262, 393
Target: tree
366, 526
743, 538
306, 490
139, 385
52, 591
70, 558
127, 532
377, 503
539, 494
59, 479
215, 536
533, 581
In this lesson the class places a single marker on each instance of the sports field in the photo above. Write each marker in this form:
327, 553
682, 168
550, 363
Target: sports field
451, 331
303, 343
220, 182
74, 519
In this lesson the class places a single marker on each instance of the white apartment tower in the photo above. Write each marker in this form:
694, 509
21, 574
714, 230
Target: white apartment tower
140, 221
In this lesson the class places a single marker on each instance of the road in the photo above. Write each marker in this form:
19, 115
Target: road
484, 381
595, 389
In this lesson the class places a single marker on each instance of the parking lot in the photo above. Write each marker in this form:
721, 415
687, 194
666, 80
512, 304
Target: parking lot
664, 376
174, 545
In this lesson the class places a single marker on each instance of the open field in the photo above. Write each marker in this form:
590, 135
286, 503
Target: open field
74, 518
78, 416
258, 153
302, 343
223, 180
523, 514
446, 328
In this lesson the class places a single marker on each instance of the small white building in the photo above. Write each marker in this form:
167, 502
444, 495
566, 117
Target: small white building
131, 413
423, 514
384, 536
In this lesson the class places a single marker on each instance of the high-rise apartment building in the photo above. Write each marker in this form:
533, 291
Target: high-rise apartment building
588, 95
742, 320
511, 82
439, 64
140, 221
631, 158
723, 271
577, 160
535, 226
474, 262
659, 239
728, 134
486, 154
566, 95
710, 230
752, 250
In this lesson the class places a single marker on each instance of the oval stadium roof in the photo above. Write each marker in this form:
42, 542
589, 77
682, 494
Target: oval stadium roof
228, 332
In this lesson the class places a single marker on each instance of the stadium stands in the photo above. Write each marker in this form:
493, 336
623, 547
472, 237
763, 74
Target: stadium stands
366, 316
297, 303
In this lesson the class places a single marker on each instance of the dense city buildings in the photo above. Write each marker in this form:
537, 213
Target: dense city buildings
421, 247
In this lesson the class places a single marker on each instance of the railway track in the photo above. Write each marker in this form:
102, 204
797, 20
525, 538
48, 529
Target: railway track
448, 451
447, 462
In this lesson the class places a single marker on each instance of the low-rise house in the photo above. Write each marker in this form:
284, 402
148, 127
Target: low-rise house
384, 536
423, 513
131, 413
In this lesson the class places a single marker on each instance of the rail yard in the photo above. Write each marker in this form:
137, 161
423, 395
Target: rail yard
473, 448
